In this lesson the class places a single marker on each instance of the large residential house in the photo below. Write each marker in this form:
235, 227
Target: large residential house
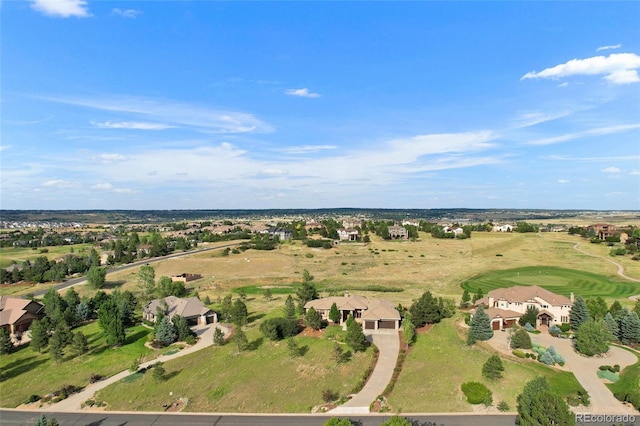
348, 234
282, 233
372, 314
398, 232
17, 314
505, 306
502, 228
192, 309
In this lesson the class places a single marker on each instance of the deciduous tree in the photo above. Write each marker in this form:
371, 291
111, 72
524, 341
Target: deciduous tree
592, 338
146, 281
96, 276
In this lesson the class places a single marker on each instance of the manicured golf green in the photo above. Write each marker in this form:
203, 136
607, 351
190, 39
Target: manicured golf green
558, 280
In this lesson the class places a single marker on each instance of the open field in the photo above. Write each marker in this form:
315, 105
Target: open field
9, 255
26, 372
557, 280
441, 361
264, 380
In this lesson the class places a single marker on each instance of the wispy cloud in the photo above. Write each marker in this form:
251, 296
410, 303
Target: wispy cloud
173, 113
307, 149
592, 132
609, 47
617, 68
564, 181
634, 172
303, 93
62, 8
59, 183
135, 125
528, 119
106, 186
126, 13
4, 147
611, 170
109, 158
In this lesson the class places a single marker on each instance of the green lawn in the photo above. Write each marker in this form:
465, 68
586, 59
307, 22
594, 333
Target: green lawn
8, 255
440, 362
557, 280
628, 379
26, 372
266, 379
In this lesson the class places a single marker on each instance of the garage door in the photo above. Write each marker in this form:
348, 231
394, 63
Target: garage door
387, 324
495, 325
369, 325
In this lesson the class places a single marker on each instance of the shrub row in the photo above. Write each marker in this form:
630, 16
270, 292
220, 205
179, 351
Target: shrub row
614, 369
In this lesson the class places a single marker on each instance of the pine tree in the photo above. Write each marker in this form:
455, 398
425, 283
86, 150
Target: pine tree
530, 316
537, 405
110, 320
182, 327
39, 336
56, 347
466, 298
521, 339
165, 332
289, 308
239, 313
493, 368
334, 314
630, 329
79, 345
615, 308
355, 337
578, 314
479, 295
312, 319
218, 337
241, 339
481, 325
6, 345
611, 325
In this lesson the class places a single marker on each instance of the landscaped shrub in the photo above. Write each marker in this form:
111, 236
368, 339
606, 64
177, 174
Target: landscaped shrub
503, 406
520, 354
329, 395
565, 327
33, 398
529, 327
547, 358
521, 339
477, 393
95, 377
554, 330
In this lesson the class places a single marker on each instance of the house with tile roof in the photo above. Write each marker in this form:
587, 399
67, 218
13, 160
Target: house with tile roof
373, 314
505, 306
190, 308
17, 314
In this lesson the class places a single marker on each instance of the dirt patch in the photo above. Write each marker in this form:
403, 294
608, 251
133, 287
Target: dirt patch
176, 406
310, 332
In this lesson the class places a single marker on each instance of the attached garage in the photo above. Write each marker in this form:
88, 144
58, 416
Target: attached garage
510, 323
495, 325
387, 324
369, 325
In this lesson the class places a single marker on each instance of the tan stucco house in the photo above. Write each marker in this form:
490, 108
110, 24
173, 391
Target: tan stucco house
17, 314
373, 314
191, 308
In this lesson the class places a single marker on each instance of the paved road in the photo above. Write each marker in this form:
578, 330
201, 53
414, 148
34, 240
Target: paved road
12, 417
72, 403
81, 280
583, 368
388, 343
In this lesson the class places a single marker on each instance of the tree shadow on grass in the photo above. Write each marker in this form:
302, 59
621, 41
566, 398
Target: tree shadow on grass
302, 350
171, 375
110, 285
252, 346
8, 373
135, 337
255, 317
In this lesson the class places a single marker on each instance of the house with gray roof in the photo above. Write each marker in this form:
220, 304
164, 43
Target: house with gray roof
190, 308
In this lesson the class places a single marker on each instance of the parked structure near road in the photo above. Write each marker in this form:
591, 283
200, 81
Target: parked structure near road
505, 306
17, 314
192, 309
186, 277
372, 314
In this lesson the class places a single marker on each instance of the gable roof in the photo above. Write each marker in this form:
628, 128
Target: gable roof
372, 309
14, 308
187, 308
527, 294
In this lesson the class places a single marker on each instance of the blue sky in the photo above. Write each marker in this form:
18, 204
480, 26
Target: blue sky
220, 105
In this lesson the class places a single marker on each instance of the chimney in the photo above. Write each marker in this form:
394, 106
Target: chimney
571, 297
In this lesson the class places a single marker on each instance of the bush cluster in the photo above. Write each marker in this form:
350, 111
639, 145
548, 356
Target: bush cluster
477, 393
614, 369
520, 354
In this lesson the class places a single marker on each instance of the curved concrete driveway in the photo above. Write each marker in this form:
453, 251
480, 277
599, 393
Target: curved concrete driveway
388, 343
73, 402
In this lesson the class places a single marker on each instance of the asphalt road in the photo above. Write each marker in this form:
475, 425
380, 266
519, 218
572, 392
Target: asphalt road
75, 281
18, 417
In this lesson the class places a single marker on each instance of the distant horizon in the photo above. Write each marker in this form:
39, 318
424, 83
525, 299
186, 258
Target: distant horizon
125, 105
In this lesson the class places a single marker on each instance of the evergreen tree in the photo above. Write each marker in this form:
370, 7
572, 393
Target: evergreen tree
479, 295
239, 313
225, 308
267, 294
493, 368
630, 329
79, 344
159, 372
241, 339
481, 325
293, 348
538, 406
39, 336
530, 316
312, 319
83, 313
182, 328
355, 337
218, 337
6, 345
56, 347
71, 298
428, 310
612, 326
579, 313
615, 308
289, 308
597, 308
306, 293
146, 281
334, 314
466, 298
110, 320
165, 332
592, 338
96, 276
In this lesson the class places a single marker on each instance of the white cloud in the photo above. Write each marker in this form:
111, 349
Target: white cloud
528, 119
173, 113
307, 149
618, 68
634, 172
611, 170
134, 125
59, 183
108, 158
304, 93
103, 186
106, 186
126, 13
610, 47
565, 84
273, 172
62, 8
591, 132
4, 147
564, 181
